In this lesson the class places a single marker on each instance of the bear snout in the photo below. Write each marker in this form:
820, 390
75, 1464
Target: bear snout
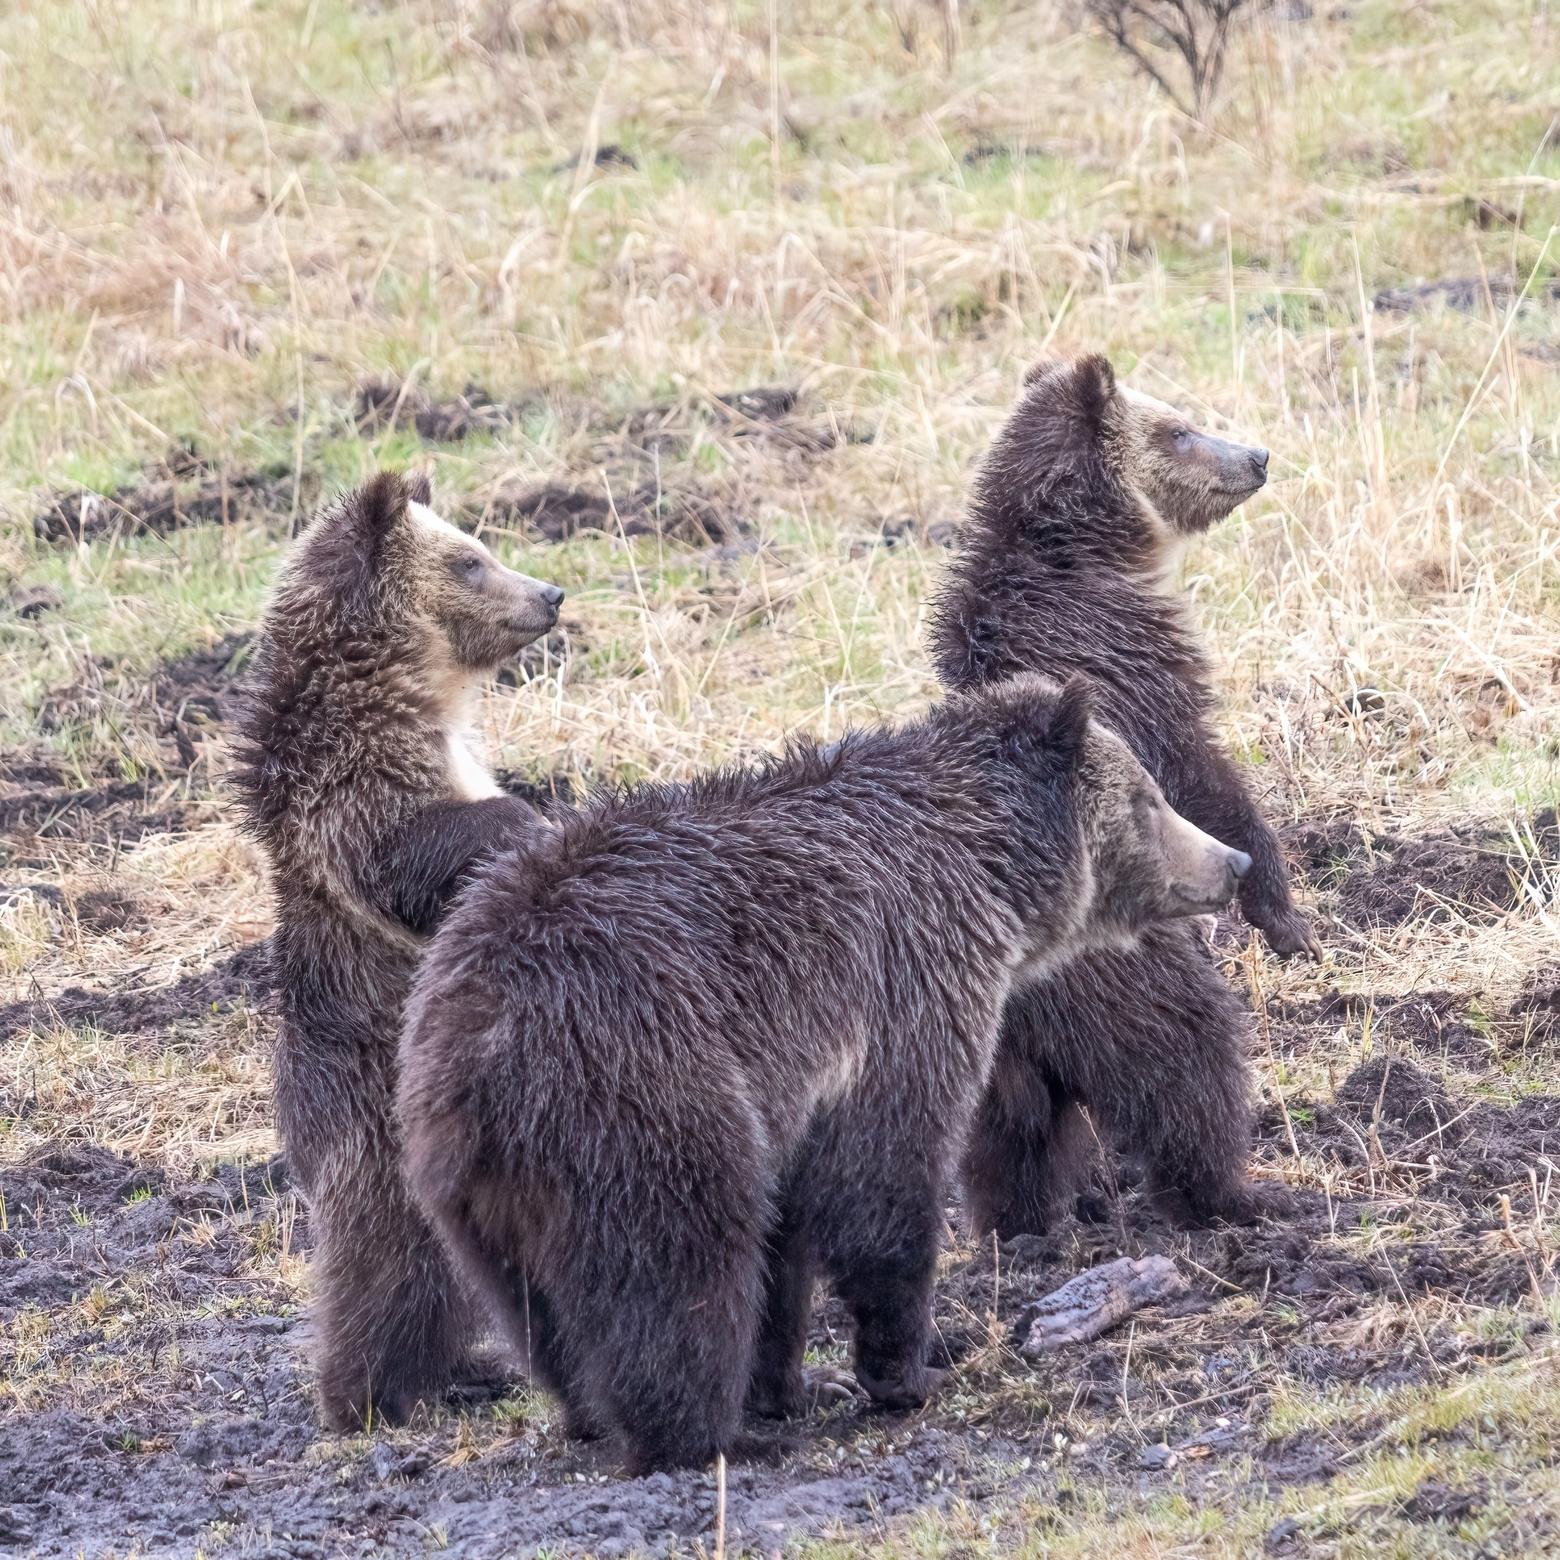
1259, 462
1240, 864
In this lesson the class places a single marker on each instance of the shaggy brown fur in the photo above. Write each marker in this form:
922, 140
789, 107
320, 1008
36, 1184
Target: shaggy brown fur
1077, 516
355, 774
757, 1010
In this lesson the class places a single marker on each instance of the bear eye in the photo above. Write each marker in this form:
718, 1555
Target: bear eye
468, 566
1181, 435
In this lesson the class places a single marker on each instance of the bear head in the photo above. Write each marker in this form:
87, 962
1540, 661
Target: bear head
1085, 824
379, 566
1077, 429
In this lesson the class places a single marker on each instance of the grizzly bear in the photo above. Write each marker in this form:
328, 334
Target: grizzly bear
697, 1023
1062, 568
355, 772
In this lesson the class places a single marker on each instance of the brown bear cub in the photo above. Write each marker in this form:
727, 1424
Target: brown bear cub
697, 1037
355, 772
1077, 516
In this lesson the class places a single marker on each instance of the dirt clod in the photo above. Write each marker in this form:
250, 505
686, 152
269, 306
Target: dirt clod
1437, 1502
32, 601
1394, 1096
163, 501
381, 404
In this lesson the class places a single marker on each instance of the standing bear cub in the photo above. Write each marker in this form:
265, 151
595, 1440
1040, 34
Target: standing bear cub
1077, 518
355, 772
695, 1016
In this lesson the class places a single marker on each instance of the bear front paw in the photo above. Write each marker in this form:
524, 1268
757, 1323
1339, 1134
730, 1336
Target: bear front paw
1292, 934
897, 1386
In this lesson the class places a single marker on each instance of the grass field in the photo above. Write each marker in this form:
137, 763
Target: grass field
706, 313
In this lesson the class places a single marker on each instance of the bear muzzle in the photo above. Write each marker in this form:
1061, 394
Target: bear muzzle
1203, 873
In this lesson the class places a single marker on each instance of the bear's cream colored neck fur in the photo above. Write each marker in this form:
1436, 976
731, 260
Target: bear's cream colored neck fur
469, 778
1164, 564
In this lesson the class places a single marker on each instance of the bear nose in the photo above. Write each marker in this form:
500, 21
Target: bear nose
552, 595
1259, 459
1240, 863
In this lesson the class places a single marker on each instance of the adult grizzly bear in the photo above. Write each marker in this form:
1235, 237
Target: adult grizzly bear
355, 772
1063, 565
636, 1041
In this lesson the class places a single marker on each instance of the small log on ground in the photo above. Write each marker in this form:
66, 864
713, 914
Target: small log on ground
1094, 1302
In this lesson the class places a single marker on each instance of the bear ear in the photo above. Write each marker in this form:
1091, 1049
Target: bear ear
375, 508
1070, 719
1094, 382
1040, 369
419, 487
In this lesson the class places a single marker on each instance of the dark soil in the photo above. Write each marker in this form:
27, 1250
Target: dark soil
1436, 1024
771, 414
31, 601
382, 404
243, 978
198, 687
36, 821
1475, 872
1537, 1008
116, 814
553, 512
180, 491
1466, 294
608, 155
224, 1428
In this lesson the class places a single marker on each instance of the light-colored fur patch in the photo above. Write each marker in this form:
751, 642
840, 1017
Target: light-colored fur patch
469, 777
1170, 545
437, 526
1149, 403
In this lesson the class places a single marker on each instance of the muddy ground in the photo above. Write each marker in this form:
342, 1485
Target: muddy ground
626, 494
171, 1412
227, 1445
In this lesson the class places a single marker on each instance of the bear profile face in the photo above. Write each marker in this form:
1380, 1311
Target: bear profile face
394, 566
1135, 860
1149, 863
1191, 478
1076, 414
486, 613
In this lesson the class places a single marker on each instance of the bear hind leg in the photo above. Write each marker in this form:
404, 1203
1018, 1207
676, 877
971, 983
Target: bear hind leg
1029, 1147
392, 1320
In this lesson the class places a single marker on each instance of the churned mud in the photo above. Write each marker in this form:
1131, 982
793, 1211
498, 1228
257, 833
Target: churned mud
1476, 872
201, 1432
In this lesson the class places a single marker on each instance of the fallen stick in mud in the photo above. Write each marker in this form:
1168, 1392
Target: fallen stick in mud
1094, 1302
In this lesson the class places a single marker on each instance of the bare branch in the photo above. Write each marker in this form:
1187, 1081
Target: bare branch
1195, 30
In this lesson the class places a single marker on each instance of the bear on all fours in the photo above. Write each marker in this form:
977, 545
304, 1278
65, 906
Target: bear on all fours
699, 1038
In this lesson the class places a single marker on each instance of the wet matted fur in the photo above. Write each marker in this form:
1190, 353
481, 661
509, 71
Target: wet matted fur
660, 1062
355, 772
1078, 513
